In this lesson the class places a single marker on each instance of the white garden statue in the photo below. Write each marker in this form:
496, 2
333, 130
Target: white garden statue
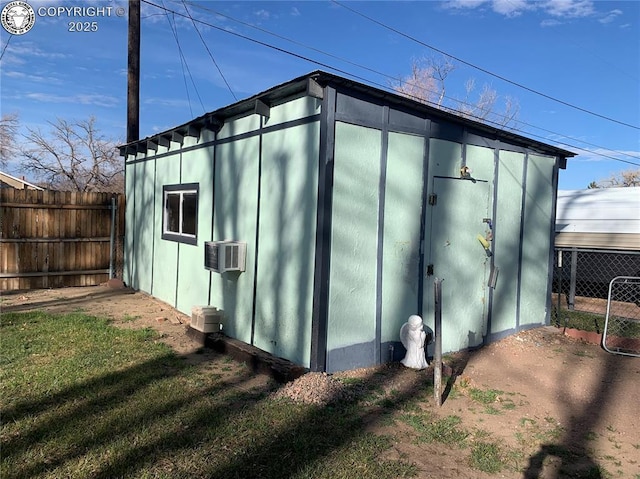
413, 338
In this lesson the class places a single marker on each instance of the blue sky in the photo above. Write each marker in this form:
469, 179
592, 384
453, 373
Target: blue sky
577, 53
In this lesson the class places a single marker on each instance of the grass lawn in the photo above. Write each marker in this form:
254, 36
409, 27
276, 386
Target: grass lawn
586, 321
81, 398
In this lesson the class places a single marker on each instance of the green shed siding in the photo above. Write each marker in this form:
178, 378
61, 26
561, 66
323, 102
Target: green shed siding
373, 181
536, 240
481, 160
445, 159
287, 234
165, 260
354, 233
235, 216
401, 244
193, 281
144, 225
239, 126
292, 110
460, 260
507, 241
129, 266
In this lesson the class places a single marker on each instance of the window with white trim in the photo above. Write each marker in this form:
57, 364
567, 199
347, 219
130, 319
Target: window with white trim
180, 213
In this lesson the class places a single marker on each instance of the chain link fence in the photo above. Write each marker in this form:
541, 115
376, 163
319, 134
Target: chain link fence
581, 290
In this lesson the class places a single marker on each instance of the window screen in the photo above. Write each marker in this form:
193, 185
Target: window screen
180, 216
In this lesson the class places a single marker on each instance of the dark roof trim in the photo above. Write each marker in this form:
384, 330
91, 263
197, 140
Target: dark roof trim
177, 135
313, 84
491, 132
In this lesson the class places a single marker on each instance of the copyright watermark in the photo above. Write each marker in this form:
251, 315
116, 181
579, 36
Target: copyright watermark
18, 17
91, 11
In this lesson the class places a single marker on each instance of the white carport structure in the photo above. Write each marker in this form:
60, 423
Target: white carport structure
607, 218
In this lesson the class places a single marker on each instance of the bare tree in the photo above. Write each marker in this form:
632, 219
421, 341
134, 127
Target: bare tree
8, 131
421, 85
427, 83
73, 156
622, 179
441, 69
485, 106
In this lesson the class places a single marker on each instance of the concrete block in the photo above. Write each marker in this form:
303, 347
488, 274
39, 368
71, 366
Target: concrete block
206, 319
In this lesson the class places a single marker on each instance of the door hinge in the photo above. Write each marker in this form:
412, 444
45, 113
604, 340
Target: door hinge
429, 270
433, 199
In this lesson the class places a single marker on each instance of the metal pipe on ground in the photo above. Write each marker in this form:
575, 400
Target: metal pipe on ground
437, 356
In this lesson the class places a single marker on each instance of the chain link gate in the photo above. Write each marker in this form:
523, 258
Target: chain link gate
622, 324
581, 283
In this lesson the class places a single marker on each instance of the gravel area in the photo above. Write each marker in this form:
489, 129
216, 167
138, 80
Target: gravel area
316, 388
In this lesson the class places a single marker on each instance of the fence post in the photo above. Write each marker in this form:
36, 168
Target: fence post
437, 332
560, 277
574, 273
112, 236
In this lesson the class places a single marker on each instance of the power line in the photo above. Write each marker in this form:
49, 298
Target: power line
183, 63
483, 70
267, 45
364, 67
209, 51
295, 42
349, 74
530, 134
6, 45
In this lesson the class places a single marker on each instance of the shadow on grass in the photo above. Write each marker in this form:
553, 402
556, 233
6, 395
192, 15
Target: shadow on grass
87, 299
454, 367
571, 454
164, 416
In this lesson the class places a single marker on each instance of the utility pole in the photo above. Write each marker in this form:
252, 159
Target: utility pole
133, 75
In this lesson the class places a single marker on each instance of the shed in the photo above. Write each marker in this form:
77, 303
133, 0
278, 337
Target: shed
340, 204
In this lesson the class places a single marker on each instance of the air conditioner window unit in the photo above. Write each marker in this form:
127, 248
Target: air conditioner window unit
221, 256
211, 257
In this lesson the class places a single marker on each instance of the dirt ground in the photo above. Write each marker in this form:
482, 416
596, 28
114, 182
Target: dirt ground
555, 394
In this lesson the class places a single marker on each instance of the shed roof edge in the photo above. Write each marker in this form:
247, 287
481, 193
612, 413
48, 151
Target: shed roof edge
299, 84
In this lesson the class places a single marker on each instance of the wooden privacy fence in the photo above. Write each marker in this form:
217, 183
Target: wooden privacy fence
52, 239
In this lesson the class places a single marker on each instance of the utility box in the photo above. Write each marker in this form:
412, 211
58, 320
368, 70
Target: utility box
206, 319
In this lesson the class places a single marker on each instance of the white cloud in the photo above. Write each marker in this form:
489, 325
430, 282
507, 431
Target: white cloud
27, 49
31, 77
602, 154
460, 4
153, 15
14, 74
83, 99
262, 14
611, 16
568, 8
295, 12
514, 8
551, 22
167, 102
511, 8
